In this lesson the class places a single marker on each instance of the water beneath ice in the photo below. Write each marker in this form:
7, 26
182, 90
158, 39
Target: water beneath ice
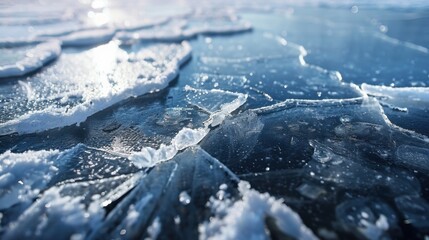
201, 120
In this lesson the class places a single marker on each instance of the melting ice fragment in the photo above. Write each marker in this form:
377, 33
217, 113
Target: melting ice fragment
310, 191
368, 218
218, 103
254, 216
32, 58
415, 211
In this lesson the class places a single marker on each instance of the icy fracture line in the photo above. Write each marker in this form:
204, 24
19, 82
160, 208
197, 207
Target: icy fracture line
418, 94
406, 44
187, 137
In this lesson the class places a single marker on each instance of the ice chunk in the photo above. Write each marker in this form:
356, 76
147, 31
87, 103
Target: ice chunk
34, 59
415, 211
149, 156
254, 216
235, 139
74, 84
406, 107
368, 218
216, 102
310, 191
343, 169
83, 163
158, 195
24, 175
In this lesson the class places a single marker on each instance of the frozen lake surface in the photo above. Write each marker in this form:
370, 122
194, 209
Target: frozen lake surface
226, 120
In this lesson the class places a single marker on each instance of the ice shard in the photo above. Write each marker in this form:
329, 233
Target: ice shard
159, 196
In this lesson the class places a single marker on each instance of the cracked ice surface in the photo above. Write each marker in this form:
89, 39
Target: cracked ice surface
226, 120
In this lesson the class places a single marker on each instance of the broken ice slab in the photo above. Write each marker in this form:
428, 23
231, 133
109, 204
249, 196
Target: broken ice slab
368, 218
283, 142
142, 122
21, 60
311, 191
83, 163
26, 175
70, 210
253, 216
406, 107
274, 77
340, 166
81, 84
234, 139
341, 146
332, 43
415, 211
175, 193
415, 158
217, 103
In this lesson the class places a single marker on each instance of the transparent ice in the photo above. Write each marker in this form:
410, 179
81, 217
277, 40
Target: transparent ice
214, 120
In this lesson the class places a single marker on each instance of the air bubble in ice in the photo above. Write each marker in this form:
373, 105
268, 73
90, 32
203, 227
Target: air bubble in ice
184, 198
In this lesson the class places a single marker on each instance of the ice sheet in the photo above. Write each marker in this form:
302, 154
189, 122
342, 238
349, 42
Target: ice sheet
320, 105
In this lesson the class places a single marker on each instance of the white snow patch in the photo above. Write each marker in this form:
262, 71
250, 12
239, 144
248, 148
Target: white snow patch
24, 175
245, 218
